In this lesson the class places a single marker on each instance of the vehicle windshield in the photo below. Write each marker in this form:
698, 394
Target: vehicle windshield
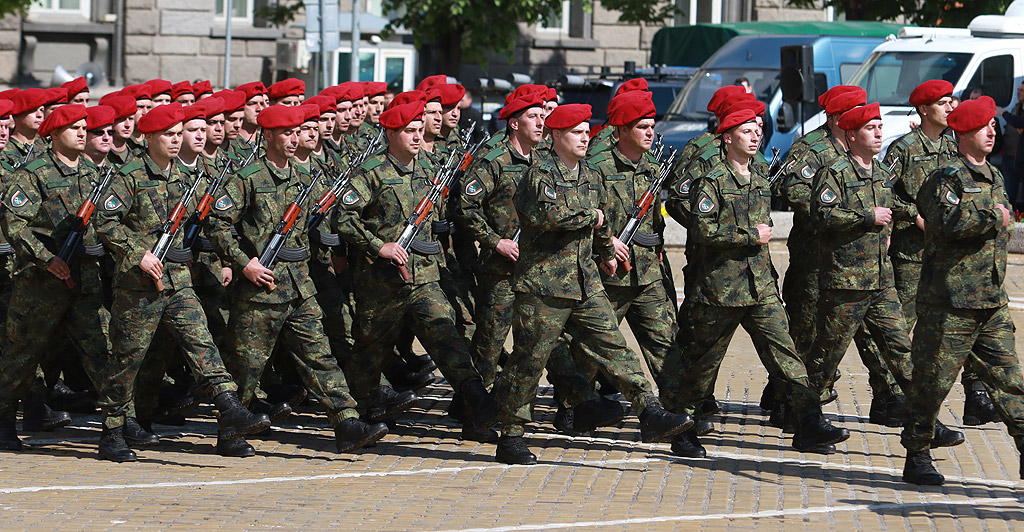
890, 77
692, 103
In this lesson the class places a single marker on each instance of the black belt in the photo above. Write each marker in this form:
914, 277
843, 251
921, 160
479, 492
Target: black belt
178, 255
647, 240
293, 254
327, 239
6, 249
90, 252
441, 227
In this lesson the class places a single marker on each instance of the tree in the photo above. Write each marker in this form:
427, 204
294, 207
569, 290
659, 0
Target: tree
19, 7
947, 13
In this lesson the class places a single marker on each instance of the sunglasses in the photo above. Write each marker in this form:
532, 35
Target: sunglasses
102, 132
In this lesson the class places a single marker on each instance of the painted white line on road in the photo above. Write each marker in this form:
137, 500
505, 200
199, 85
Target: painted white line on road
753, 515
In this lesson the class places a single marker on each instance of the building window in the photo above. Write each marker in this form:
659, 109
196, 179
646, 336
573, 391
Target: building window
557, 21
391, 65
62, 7
240, 9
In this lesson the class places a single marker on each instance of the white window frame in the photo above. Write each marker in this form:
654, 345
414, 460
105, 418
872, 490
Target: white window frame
248, 18
563, 28
84, 9
380, 56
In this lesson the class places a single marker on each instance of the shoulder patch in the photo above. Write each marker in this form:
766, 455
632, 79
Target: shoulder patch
350, 197
112, 203
223, 203
951, 198
130, 166
548, 191
828, 196
807, 172
705, 204
474, 187
18, 198
36, 164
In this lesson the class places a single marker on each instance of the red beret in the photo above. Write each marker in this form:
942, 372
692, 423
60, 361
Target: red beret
568, 116
234, 101
123, 106
403, 98
280, 116
433, 94
846, 101
629, 106
551, 95
756, 106
56, 95
211, 106
161, 117
7, 94
635, 84
287, 87
858, 116
723, 97
735, 118
310, 112
355, 90
430, 81
5, 108
972, 114
326, 104
139, 92
60, 117
181, 87
158, 86
525, 101
836, 91
452, 94
200, 88
28, 100
75, 86
930, 92
527, 88
98, 116
376, 88
253, 88
399, 116
192, 112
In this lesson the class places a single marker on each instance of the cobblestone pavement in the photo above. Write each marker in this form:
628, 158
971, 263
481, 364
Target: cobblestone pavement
422, 477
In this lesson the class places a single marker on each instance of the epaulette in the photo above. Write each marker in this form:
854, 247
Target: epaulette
814, 136
706, 153
372, 163
131, 166
650, 158
249, 170
493, 154
906, 141
36, 164
597, 158
818, 147
840, 165
7, 167
715, 173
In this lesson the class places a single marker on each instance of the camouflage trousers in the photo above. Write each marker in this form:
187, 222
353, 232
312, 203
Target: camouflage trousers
944, 338
256, 328
705, 332
335, 301
42, 309
213, 295
537, 324
842, 314
134, 319
494, 299
6, 285
908, 276
381, 312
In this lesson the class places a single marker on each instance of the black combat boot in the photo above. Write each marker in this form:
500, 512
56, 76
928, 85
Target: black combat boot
978, 407
658, 424
946, 437
9, 440
174, 402
687, 445
136, 436
708, 407
482, 407
920, 470
815, 431
457, 408
703, 427
784, 417
767, 403
293, 394
419, 363
354, 433
113, 446
888, 411
594, 413
403, 380
513, 450
37, 416
234, 420
481, 435
234, 447
276, 412
62, 397
390, 403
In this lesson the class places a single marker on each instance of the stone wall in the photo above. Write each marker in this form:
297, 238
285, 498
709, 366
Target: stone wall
773, 10
10, 43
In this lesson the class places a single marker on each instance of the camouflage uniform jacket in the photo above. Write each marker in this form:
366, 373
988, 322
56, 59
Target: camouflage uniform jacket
731, 267
852, 250
624, 183
253, 201
695, 146
122, 157
487, 211
556, 212
919, 156
602, 141
367, 130
15, 152
375, 209
42, 200
132, 213
687, 171
965, 246
806, 156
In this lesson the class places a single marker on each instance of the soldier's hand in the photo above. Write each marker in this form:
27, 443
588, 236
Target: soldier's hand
226, 274
621, 251
883, 215
919, 222
151, 265
1006, 214
59, 268
508, 249
600, 219
340, 263
393, 251
260, 276
764, 233
609, 266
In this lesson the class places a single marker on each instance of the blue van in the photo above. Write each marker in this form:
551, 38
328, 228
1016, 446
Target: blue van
757, 58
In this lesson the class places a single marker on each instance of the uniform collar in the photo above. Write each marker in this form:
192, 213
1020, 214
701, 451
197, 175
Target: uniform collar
623, 161
401, 168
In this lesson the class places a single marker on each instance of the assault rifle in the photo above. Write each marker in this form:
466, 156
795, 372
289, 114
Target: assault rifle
437, 193
272, 251
170, 228
324, 204
774, 167
196, 219
630, 233
24, 160
74, 238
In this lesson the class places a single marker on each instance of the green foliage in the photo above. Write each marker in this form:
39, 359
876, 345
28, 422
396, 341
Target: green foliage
278, 13
947, 13
20, 7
